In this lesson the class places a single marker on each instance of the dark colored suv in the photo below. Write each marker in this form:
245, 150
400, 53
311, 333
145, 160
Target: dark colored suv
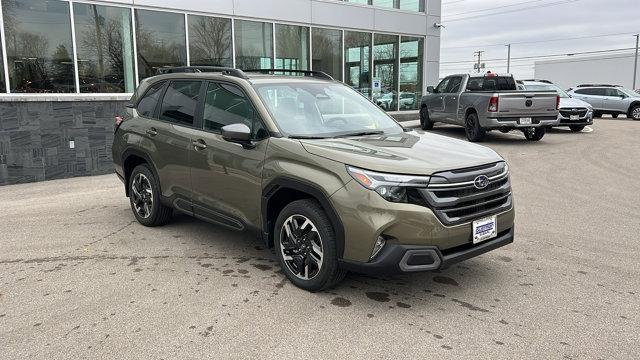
323, 174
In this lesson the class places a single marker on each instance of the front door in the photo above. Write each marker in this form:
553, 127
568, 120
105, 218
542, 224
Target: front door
435, 103
227, 177
451, 99
614, 100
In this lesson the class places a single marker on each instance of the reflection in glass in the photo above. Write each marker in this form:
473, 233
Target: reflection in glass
411, 56
327, 57
160, 37
2, 83
292, 44
357, 57
254, 44
210, 41
366, 2
39, 49
105, 48
385, 71
412, 5
385, 3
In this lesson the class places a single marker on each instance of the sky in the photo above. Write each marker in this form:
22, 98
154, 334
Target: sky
469, 27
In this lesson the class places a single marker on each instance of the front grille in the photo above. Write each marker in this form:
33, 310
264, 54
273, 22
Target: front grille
453, 197
565, 113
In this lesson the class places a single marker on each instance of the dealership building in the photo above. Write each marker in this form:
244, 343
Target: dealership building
69, 67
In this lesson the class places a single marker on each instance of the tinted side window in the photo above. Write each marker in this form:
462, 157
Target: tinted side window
225, 105
147, 105
612, 92
180, 102
495, 83
443, 85
598, 92
454, 84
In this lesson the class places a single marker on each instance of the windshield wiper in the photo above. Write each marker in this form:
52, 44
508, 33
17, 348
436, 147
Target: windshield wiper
362, 133
307, 137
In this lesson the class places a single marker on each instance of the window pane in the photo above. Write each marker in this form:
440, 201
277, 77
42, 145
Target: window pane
147, 105
357, 57
384, 3
180, 102
210, 41
327, 49
412, 5
39, 50
2, 83
254, 45
385, 72
225, 105
292, 44
359, 1
411, 56
105, 48
160, 38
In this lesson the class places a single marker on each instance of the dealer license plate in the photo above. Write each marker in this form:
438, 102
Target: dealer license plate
525, 121
484, 229
574, 117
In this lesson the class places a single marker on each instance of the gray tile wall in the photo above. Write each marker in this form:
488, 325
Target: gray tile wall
36, 138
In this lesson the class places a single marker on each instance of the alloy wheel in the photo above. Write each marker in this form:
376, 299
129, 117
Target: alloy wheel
470, 127
636, 113
142, 195
301, 247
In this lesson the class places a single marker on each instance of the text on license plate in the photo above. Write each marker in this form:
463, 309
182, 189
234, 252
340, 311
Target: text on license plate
485, 229
525, 121
574, 117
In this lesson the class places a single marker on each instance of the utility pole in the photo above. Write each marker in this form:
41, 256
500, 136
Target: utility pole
508, 57
479, 63
635, 63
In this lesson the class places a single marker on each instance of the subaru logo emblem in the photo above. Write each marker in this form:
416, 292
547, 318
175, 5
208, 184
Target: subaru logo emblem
481, 182
528, 103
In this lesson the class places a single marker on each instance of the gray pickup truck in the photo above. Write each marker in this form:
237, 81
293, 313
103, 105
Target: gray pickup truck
488, 102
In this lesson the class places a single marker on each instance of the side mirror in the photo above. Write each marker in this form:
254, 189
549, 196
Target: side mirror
238, 133
129, 105
430, 89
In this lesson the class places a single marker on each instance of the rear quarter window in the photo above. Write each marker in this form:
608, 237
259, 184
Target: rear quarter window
147, 105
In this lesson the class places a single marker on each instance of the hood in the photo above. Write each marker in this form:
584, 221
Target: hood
573, 102
415, 152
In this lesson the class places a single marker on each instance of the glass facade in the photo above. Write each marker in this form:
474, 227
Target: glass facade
327, 51
161, 41
105, 48
292, 47
115, 43
411, 72
385, 71
254, 44
357, 61
409, 5
39, 47
412, 5
210, 41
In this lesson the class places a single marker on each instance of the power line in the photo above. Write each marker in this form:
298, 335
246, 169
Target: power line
511, 11
539, 41
495, 8
453, 2
541, 56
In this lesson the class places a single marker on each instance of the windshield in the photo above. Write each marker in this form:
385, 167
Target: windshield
547, 87
320, 110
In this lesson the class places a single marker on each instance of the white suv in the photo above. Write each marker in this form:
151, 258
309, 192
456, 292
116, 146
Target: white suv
609, 99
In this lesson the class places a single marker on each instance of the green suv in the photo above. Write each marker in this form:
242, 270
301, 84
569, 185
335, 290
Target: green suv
327, 178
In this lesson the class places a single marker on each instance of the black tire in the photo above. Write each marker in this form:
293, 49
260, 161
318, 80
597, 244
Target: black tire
615, 116
534, 134
425, 120
634, 112
597, 114
576, 128
158, 214
329, 273
475, 133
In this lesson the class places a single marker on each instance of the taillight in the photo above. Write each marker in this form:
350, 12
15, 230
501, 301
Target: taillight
493, 104
119, 121
558, 102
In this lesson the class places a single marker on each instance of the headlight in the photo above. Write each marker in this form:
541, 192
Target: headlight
392, 187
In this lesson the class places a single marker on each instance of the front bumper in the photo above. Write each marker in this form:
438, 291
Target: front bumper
514, 122
587, 120
395, 258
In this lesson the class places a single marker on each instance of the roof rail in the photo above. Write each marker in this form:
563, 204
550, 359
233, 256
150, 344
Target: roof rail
595, 85
310, 73
202, 69
539, 80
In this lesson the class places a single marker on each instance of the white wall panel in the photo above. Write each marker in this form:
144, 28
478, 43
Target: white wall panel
285, 10
400, 22
342, 15
224, 7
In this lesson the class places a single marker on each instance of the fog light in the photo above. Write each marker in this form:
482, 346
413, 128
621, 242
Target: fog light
380, 242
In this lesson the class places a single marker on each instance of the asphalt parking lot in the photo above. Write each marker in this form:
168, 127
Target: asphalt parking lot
79, 278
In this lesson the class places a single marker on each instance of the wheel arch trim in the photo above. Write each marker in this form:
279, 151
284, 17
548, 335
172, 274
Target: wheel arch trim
141, 154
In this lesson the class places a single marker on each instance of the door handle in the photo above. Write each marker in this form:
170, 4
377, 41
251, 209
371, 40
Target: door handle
199, 145
152, 132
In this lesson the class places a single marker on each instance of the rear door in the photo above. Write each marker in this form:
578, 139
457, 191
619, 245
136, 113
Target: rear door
171, 135
227, 177
593, 96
